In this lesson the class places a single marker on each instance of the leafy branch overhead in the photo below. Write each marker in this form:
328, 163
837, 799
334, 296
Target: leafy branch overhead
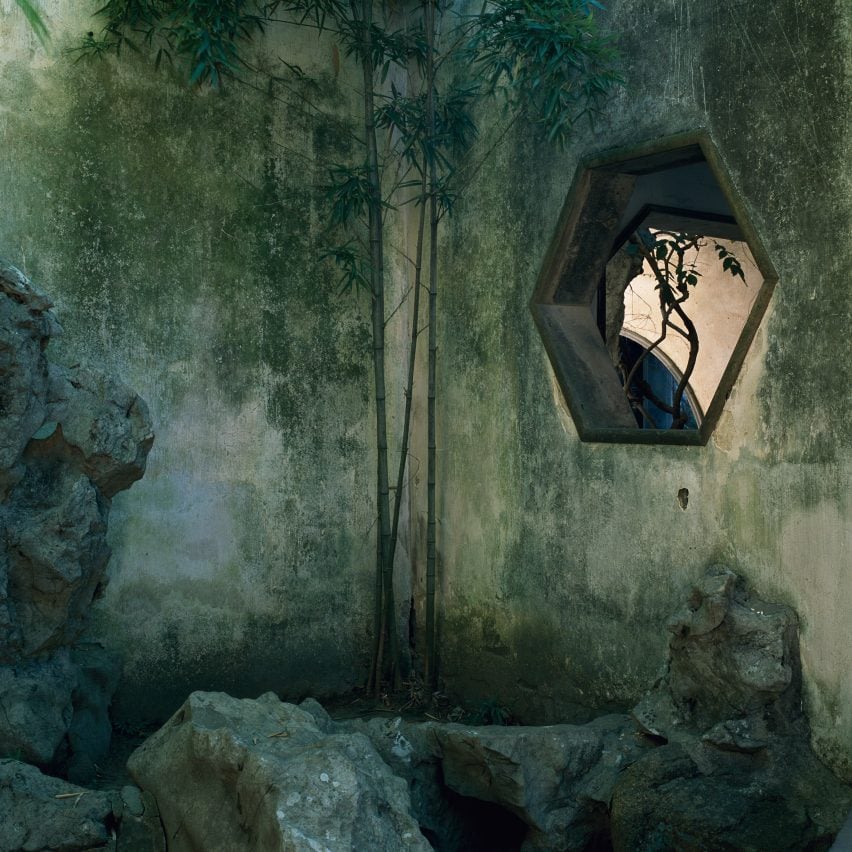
454, 132
549, 57
206, 33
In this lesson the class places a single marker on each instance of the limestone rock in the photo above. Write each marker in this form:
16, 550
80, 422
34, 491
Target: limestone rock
38, 812
736, 770
98, 422
59, 702
16, 285
318, 712
743, 735
665, 801
36, 707
725, 762
26, 324
412, 752
141, 829
69, 440
131, 797
556, 780
10, 633
529, 771
91, 420
732, 656
57, 705
56, 556
240, 774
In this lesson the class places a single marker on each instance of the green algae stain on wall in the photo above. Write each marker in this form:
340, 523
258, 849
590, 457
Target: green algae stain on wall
178, 232
179, 238
576, 554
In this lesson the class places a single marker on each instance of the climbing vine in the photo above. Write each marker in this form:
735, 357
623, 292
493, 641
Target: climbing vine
672, 258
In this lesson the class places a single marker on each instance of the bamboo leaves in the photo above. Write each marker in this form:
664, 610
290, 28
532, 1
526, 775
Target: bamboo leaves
353, 265
348, 193
386, 48
204, 33
315, 12
36, 22
546, 55
455, 128
549, 57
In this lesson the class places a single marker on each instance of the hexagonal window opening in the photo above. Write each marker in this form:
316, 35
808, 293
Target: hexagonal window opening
650, 294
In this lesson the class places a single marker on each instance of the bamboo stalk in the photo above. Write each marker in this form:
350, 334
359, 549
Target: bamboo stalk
412, 353
430, 667
378, 328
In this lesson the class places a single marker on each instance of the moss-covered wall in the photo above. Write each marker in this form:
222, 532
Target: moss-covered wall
177, 231
561, 560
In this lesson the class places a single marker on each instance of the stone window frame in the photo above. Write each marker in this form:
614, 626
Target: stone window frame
570, 274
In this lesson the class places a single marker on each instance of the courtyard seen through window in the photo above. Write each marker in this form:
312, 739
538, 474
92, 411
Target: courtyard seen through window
650, 294
671, 305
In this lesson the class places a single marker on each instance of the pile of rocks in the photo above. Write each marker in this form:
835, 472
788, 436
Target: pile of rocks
70, 439
715, 757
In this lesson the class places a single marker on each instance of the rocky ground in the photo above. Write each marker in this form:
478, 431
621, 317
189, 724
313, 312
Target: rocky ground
716, 757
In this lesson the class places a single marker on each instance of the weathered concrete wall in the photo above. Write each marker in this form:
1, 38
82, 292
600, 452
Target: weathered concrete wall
177, 231
561, 559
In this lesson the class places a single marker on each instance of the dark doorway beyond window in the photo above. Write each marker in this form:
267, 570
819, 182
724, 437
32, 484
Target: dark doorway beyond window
653, 383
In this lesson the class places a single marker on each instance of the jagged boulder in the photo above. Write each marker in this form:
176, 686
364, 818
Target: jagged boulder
556, 780
97, 423
26, 324
733, 672
675, 798
720, 757
552, 777
411, 750
261, 775
719, 761
36, 707
10, 634
734, 769
140, 829
70, 439
38, 812
56, 524
53, 710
